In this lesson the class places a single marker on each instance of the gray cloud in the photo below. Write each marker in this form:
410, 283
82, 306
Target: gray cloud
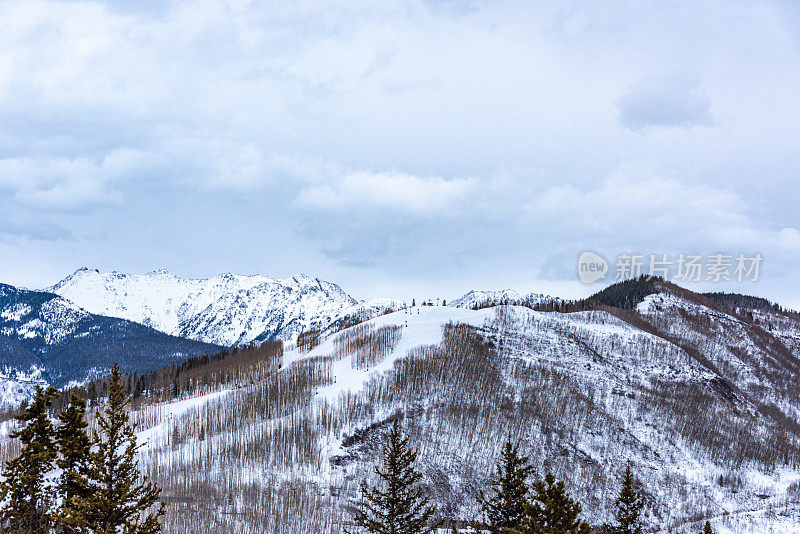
421, 197
447, 145
29, 227
665, 101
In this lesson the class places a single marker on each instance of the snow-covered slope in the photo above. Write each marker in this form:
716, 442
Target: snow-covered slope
226, 309
475, 299
45, 338
17, 386
697, 398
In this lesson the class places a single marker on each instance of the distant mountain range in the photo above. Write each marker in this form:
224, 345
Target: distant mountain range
46, 338
476, 299
77, 328
698, 391
234, 310
227, 310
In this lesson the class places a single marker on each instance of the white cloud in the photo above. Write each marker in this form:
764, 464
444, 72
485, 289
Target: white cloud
636, 199
244, 168
636, 211
396, 191
789, 238
66, 184
351, 120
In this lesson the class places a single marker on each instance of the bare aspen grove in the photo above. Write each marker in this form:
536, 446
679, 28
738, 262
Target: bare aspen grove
698, 396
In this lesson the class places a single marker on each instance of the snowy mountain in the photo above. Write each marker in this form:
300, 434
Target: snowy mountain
227, 310
699, 392
475, 299
45, 338
700, 397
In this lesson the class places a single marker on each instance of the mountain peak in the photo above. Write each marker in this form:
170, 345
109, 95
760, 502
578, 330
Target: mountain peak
476, 298
83, 270
227, 309
302, 277
78, 273
65, 342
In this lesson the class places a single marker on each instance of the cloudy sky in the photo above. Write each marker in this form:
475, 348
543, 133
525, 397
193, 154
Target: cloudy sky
403, 149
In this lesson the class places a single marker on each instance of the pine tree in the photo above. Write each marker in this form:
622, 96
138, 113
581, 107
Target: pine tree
551, 511
75, 447
504, 507
629, 505
118, 500
397, 505
26, 493
707, 529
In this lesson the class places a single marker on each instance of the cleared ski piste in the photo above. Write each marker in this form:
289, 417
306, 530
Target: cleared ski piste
167, 411
422, 325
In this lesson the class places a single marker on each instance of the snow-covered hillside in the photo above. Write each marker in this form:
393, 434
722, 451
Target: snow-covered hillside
17, 386
475, 299
698, 399
31, 315
226, 309
45, 338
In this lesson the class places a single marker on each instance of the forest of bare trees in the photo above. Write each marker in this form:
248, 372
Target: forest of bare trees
269, 453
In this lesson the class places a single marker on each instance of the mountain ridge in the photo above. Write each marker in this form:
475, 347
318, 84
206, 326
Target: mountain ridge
47, 336
226, 309
700, 393
480, 298
235, 310
700, 400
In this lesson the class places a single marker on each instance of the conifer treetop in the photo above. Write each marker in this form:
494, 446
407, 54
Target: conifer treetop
629, 505
504, 507
119, 498
25, 490
551, 511
397, 504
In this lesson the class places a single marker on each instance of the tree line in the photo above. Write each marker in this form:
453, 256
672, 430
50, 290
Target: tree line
398, 504
66, 481
238, 366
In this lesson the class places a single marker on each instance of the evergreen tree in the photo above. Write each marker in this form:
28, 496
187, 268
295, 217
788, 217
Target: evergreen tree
118, 500
397, 505
707, 529
629, 505
26, 493
75, 462
551, 511
504, 508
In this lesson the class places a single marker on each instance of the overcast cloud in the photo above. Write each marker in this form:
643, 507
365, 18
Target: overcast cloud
400, 149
